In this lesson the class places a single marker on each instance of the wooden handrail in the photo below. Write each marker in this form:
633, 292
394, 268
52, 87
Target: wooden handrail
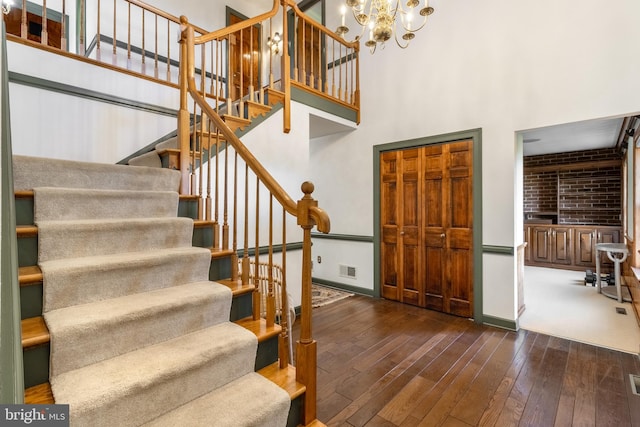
163, 14
320, 217
247, 23
301, 15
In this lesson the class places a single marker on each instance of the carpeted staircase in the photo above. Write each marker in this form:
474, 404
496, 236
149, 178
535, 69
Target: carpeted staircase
138, 333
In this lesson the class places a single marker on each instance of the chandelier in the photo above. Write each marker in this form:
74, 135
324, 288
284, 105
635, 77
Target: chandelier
384, 18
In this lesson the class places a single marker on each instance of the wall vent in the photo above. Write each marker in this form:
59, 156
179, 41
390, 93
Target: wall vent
635, 384
347, 271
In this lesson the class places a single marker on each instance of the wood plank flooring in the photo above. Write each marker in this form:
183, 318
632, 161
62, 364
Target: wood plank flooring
381, 363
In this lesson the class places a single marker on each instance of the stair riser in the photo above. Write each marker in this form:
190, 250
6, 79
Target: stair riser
55, 204
36, 365
267, 352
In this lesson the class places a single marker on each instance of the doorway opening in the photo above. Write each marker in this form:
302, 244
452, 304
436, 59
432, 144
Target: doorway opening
577, 192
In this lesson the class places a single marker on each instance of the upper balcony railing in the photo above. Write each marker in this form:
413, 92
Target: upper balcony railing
287, 49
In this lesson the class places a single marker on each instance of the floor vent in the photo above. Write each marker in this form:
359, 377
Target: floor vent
621, 310
347, 271
635, 384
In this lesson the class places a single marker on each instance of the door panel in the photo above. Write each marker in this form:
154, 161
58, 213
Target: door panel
388, 218
244, 58
432, 190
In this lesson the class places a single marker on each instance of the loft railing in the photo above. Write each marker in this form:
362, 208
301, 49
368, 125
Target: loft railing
125, 35
240, 184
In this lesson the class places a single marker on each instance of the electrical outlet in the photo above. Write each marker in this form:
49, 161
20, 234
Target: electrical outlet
319, 259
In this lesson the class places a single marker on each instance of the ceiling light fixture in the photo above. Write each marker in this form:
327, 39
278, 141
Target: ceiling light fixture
384, 18
6, 6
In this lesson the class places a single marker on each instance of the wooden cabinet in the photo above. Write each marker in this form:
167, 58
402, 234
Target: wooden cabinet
567, 246
586, 239
551, 245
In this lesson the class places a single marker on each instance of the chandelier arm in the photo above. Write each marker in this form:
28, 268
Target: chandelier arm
415, 30
395, 35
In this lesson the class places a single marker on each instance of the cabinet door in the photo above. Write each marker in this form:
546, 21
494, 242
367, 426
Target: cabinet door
541, 244
561, 245
584, 242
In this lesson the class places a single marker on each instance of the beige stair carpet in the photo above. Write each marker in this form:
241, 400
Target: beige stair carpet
137, 330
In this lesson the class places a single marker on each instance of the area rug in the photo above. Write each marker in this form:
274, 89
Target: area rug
321, 295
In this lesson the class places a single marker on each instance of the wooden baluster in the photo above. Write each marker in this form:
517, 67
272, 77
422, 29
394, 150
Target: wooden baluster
192, 157
198, 148
321, 70
98, 35
311, 64
230, 78
183, 114
251, 59
128, 36
63, 29
143, 68
306, 348
155, 66
225, 224
257, 294
283, 343
168, 50
234, 255
216, 224
213, 74
271, 303
23, 25
356, 100
333, 69
114, 56
44, 35
209, 149
303, 54
245, 254
241, 57
83, 28
285, 66
271, 78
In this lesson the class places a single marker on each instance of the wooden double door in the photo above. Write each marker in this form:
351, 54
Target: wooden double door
426, 215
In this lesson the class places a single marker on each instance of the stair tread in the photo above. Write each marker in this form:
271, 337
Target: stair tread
259, 328
236, 286
34, 332
285, 378
39, 395
26, 230
250, 398
29, 275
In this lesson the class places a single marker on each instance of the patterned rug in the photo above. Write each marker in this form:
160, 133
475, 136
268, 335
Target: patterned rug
321, 295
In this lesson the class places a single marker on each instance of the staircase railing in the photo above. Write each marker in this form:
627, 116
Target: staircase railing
11, 379
224, 153
124, 35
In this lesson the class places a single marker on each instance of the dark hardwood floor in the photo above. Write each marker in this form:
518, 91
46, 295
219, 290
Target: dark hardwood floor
381, 363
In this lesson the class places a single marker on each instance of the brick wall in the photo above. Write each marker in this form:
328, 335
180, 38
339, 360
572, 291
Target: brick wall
586, 196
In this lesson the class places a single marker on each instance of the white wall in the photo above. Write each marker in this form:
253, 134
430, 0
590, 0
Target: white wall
495, 65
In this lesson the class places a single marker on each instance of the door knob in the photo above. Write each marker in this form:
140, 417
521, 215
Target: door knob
443, 235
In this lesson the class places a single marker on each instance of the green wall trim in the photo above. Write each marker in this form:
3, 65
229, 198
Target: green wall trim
264, 250
476, 136
343, 237
499, 250
344, 287
322, 104
499, 322
52, 86
11, 359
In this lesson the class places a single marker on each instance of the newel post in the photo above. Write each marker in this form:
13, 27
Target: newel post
183, 113
306, 347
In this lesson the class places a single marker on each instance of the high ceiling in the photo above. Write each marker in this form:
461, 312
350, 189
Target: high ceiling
586, 135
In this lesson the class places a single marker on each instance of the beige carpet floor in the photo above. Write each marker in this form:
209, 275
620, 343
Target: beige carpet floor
558, 304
